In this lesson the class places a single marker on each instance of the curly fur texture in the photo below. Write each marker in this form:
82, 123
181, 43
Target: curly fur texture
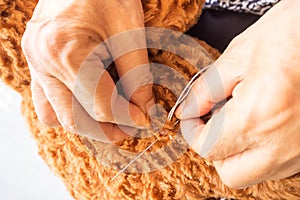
71, 157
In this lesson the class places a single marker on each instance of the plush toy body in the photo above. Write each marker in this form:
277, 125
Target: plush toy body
86, 166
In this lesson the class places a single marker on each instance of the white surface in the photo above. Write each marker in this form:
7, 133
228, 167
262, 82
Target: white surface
23, 174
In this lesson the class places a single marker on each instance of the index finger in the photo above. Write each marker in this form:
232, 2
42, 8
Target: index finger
95, 90
129, 52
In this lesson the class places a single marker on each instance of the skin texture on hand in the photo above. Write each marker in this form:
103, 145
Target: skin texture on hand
60, 37
258, 134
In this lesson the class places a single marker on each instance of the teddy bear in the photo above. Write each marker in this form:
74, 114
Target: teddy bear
169, 169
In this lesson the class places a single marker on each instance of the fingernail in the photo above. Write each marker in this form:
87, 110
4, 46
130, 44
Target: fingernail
141, 122
185, 111
145, 125
178, 112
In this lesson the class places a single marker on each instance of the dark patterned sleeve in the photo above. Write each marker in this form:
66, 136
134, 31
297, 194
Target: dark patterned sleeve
257, 7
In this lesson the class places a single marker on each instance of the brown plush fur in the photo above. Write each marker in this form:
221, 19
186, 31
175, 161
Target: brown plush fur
76, 159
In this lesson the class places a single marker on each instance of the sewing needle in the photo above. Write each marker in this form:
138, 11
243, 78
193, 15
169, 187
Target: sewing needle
180, 99
133, 160
186, 91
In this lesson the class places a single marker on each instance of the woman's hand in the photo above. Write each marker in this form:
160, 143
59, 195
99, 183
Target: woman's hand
67, 69
255, 136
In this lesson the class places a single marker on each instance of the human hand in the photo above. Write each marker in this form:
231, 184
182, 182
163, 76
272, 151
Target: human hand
255, 136
61, 37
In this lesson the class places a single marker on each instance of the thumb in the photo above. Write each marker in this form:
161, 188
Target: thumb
137, 80
224, 135
215, 85
129, 51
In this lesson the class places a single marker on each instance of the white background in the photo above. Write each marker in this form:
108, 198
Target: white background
23, 174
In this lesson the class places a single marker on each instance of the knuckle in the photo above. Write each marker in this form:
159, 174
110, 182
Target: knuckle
66, 119
46, 115
52, 38
101, 115
69, 125
49, 120
41, 43
102, 112
44, 111
70, 128
48, 38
